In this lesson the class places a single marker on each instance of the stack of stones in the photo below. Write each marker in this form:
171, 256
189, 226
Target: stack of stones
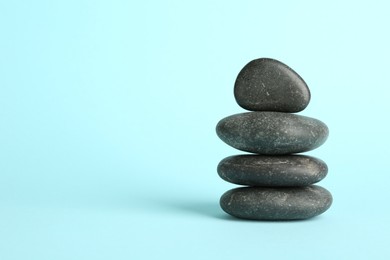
279, 181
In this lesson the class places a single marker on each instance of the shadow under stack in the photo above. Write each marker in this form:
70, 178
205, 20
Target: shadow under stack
279, 181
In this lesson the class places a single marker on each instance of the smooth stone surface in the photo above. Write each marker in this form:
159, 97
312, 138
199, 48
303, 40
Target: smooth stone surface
269, 85
262, 170
260, 203
272, 133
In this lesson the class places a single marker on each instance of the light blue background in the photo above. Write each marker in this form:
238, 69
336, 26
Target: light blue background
108, 110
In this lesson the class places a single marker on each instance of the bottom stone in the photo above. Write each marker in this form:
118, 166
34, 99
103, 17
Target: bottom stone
261, 203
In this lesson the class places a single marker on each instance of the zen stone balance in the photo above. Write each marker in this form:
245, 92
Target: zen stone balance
279, 182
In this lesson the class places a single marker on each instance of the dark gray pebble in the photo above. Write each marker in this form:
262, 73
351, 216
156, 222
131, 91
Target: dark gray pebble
269, 85
272, 133
260, 203
262, 170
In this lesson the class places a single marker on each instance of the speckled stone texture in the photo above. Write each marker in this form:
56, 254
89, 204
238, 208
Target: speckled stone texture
272, 133
261, 170
260, 203
269, 85
280, 182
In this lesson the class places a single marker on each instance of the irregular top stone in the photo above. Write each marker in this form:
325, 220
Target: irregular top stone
272, 171
272, 133
269, 85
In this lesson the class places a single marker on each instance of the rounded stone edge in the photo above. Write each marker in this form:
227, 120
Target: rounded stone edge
222, 122
320, 163
224, 195
288, 68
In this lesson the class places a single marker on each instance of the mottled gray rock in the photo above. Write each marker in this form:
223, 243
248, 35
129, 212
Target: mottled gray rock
269, 85
262, 203
272, 133
262, 170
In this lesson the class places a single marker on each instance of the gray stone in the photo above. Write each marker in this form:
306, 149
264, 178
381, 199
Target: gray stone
260, 203
272, 133
269, 85
262, 170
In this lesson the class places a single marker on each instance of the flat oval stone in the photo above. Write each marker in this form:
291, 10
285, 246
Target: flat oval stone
261, 203
272, 133
269, 85
261, 170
